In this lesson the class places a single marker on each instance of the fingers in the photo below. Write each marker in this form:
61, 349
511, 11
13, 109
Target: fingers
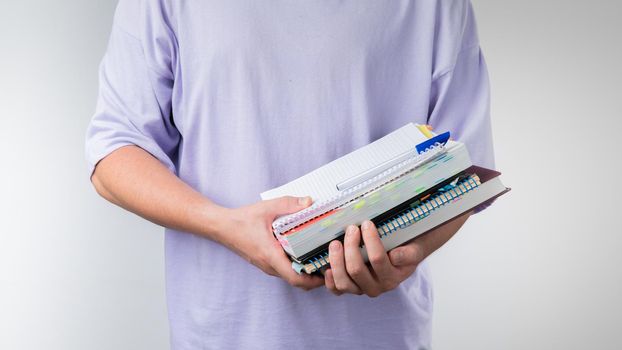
283, 267
329, 282
350, 274
355, 265
378, 257
342, 281
409, 254
287, 205
275, 260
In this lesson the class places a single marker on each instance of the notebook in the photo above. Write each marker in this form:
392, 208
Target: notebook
372, 183
374, 164
417, 216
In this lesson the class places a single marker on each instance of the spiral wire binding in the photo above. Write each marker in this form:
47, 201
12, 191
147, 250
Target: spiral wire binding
287, 222
408, 217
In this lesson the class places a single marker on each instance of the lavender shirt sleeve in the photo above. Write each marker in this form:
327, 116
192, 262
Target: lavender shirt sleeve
460, 98
134, 102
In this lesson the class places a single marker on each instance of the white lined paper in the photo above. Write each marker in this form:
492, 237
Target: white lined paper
321, 184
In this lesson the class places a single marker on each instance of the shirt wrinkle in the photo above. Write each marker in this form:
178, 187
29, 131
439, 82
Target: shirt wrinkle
449, 70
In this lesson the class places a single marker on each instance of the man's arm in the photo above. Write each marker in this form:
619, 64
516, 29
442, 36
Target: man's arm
133, 179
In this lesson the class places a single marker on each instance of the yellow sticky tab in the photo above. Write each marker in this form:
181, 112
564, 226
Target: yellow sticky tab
327, 223
360, 204
425, 131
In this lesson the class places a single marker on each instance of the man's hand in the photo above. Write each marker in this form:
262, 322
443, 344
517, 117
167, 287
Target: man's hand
349, 274
163, 198
248, 232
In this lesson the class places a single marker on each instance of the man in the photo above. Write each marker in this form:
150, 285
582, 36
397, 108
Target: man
205, 104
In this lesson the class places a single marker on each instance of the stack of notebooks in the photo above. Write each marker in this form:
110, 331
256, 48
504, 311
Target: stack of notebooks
407, 183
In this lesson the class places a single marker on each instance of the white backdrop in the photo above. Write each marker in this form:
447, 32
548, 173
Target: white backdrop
538, 270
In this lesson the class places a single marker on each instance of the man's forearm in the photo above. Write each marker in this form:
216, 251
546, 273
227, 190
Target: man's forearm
135, 180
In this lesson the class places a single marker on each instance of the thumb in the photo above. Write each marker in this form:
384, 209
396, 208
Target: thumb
288, 205
410, 254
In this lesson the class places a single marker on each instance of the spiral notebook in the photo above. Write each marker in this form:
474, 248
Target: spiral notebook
419, 215
372, 183
359, 172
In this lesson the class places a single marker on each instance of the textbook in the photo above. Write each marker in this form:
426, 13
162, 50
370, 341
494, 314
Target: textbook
407, 182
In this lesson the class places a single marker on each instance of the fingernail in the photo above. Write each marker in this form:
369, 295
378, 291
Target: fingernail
304, 201
350, 230
367, 225
334, 245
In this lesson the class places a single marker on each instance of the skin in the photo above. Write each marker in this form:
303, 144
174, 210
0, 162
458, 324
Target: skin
133, 179
385, 271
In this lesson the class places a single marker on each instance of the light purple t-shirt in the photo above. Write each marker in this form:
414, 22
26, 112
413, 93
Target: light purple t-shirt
239, 96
